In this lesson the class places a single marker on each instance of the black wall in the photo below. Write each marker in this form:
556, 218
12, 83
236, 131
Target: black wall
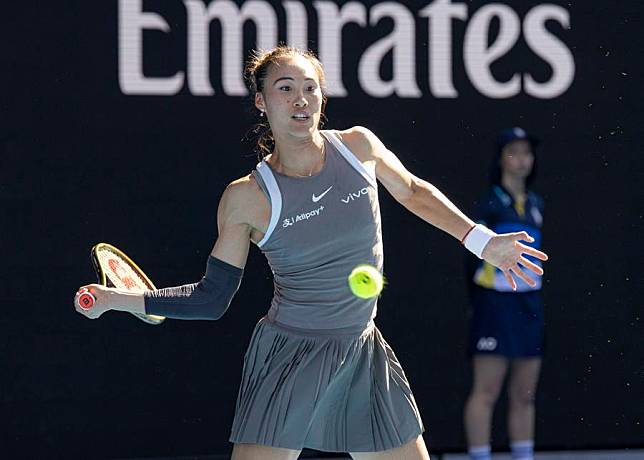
82, 163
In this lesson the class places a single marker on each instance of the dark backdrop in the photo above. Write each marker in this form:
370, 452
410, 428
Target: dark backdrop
83, 163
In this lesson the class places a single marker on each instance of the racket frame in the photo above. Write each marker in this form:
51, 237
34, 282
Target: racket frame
104, 280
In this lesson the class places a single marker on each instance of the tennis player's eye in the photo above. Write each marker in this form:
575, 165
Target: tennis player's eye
285, 88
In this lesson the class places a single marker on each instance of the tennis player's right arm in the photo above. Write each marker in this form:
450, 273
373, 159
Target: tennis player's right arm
233, 224
210, 298
207, 299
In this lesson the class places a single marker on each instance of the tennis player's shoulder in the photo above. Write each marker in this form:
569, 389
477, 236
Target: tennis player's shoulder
245, 200
242, 191
362, 142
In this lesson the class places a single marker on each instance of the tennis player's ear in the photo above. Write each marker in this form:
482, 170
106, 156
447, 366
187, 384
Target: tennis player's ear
259, 102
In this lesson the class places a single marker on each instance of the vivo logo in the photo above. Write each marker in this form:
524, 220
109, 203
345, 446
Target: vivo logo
430, 27
354, 195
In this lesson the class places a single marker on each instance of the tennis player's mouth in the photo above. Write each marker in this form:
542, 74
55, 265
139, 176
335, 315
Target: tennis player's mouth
301, 117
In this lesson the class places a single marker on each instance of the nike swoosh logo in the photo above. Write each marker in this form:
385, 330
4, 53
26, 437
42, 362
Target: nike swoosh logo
319, 197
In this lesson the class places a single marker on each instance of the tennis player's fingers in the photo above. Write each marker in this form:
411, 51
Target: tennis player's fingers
521, 236
531, 265
534, 252
91, 288
511, 281
521, 274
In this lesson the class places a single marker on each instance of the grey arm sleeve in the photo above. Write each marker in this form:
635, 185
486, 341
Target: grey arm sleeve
207, 299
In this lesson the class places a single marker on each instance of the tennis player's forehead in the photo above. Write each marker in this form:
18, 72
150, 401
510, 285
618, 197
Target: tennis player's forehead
293, 66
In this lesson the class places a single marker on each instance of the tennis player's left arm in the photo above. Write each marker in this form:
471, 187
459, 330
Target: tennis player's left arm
423, 199
415, 194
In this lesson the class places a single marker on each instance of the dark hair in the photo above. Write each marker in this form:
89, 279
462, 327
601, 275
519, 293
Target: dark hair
255, 74
495, 166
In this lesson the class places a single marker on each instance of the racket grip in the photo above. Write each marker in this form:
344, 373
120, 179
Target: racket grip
86, 300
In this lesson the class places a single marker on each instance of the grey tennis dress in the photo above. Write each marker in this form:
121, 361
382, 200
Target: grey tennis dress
317, 372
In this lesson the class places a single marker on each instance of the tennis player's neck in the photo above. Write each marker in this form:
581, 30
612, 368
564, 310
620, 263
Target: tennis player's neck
301, 158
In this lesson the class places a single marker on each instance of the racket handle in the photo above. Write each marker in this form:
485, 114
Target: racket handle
86, 300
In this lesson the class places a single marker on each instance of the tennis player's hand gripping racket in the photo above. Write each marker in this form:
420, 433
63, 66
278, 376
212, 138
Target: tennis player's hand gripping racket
116, 270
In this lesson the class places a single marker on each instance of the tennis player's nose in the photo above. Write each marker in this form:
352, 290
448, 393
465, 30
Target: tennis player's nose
300, 101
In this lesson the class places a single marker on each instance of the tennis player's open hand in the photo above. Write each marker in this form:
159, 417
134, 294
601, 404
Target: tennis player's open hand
506, 252
102, 303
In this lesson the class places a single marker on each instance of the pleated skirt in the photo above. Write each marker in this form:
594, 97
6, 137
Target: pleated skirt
334, 391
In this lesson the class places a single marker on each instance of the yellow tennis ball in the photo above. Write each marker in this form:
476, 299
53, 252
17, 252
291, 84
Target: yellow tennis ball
365, 281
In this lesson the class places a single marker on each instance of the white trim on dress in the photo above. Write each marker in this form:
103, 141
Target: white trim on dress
348, 155
276, 198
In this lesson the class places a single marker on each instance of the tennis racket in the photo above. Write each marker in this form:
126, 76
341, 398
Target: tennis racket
115, 269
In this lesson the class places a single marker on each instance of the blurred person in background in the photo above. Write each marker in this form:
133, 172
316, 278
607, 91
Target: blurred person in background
506, 331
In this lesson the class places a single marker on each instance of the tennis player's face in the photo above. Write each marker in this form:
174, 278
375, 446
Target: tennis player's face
292, 97
517, 159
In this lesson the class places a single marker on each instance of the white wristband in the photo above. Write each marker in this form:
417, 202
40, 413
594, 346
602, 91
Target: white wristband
477, 238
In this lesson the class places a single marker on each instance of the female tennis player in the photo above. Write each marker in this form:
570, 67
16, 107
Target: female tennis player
317, 372
507, 324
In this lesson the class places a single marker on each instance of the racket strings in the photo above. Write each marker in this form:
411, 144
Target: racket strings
120, 273
116, 269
